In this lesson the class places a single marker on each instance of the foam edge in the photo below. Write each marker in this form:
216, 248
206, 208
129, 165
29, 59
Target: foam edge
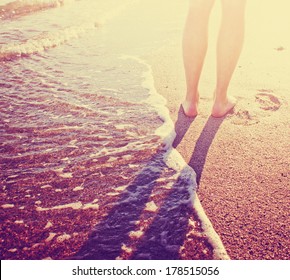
219, 250
174, 159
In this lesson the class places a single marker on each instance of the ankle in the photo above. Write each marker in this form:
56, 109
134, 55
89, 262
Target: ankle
192, 97
221, 101
220, 96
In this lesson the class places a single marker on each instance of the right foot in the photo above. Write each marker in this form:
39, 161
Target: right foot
190, 108
220, 109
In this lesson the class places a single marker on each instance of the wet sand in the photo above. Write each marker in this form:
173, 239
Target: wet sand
241, 160
71, 189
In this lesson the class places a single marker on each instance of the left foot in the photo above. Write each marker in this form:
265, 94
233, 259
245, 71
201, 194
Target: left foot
190, 108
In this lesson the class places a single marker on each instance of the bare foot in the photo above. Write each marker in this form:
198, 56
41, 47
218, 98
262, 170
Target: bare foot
220, 109
190, 108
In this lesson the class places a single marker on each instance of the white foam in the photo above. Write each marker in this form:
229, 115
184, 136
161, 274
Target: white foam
127, 249
7, 206
44, 41
79, 188
50, 237
97, 14
62, 174
127, 157
121, 188
10, 8
74, 205
112, 194
131, 146
12, 250
151, 207
111, 159
48, 225
46, 187
174, 160
63, 238
136, 234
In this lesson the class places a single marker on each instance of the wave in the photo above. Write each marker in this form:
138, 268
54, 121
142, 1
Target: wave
44, 41
19, 8
48, 37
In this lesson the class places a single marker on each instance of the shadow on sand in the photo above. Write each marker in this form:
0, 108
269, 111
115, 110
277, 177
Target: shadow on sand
167, 233
202, 146
203, 142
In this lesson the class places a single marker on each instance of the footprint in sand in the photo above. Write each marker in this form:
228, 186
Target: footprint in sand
244, 117
280, 49
267, 101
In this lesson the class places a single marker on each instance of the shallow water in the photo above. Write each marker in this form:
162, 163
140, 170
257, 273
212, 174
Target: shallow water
79, 138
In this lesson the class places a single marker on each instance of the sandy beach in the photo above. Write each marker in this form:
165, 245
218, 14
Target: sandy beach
84, 172
242, 160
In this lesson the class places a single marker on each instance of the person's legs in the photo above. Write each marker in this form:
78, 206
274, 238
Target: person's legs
229, 47
194, 50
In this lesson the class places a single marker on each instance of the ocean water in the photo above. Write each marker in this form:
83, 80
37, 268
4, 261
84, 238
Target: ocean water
87, 167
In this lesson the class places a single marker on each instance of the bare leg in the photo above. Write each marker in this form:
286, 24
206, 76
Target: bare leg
194, 50
229, 47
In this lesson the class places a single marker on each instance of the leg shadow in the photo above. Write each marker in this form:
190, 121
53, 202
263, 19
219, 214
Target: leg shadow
181, 126
203, 144
162, 241
167, 233
106, 240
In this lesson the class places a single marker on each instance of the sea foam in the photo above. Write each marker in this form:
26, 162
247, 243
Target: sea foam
173, 159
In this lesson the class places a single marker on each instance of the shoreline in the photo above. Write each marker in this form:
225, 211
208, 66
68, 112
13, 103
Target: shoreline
174, 159
242, 171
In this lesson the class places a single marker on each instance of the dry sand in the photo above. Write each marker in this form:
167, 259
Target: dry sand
242, 160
